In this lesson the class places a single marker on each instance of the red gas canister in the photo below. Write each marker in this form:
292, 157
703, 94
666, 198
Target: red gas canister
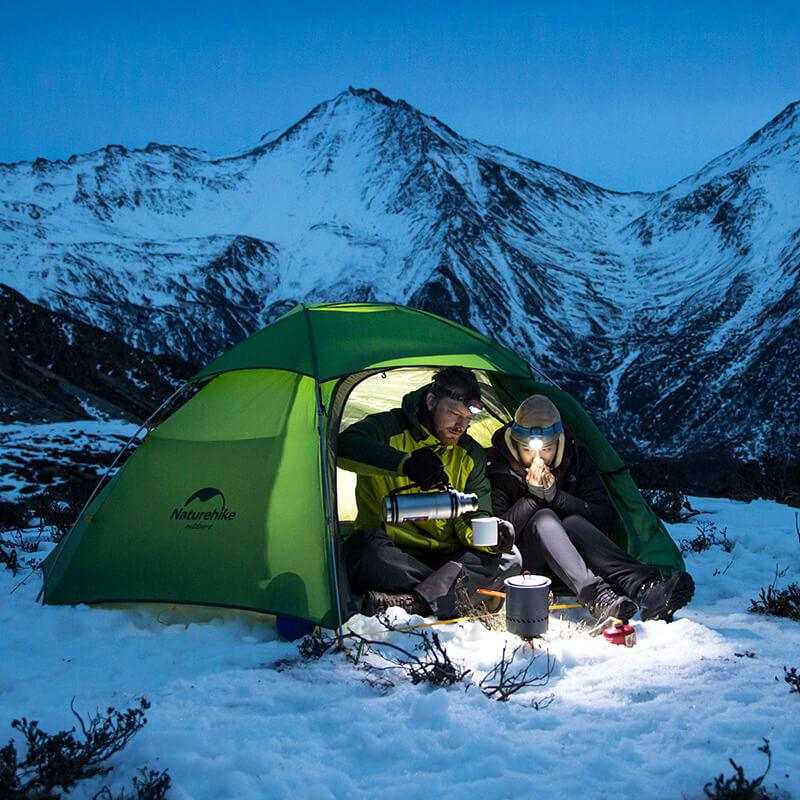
620, 633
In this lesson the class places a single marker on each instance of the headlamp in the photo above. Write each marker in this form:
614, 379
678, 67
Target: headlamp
523, 433
536, 444
474, 404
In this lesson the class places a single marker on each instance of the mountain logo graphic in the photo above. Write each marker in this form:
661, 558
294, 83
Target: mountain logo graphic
203, 508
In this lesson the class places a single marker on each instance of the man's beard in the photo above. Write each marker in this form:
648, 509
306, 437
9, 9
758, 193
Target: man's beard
451, 434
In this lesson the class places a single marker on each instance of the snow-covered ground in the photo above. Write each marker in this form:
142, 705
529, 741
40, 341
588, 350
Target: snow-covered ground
228, 721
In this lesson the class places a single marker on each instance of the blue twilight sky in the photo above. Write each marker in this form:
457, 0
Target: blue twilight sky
630, 95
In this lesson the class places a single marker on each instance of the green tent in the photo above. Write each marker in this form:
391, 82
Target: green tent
231, 499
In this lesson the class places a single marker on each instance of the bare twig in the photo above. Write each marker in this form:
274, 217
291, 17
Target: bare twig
708, 536
718, 571
792, 677
315, 645
427, 661
501, 682
55, 763
739, 786
434, 666
778, 603
9, 558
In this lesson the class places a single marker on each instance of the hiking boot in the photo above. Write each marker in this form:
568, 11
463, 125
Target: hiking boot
661, 599
379, 602
607, 603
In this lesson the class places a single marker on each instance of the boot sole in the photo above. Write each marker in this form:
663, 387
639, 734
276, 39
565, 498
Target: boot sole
681, 593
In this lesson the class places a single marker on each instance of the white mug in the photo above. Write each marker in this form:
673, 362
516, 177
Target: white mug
484, 531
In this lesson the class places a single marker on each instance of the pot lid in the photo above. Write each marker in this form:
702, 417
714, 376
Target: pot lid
528, 581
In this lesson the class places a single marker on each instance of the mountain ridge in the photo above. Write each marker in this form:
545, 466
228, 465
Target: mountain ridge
632, 300
790, 112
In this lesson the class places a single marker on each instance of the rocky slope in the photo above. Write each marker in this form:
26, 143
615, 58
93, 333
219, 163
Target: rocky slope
55, 369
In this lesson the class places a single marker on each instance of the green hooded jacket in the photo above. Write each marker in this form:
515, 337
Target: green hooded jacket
375, 448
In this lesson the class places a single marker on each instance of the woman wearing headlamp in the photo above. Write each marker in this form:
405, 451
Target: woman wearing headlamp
546, 485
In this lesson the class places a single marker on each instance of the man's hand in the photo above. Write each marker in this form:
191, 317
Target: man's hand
505, 536
425, 468
541, 481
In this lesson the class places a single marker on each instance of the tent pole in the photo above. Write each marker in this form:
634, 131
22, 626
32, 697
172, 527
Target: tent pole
543, 374
322, 429
128, 443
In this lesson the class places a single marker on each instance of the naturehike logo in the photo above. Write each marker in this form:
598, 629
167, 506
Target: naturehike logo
202, 509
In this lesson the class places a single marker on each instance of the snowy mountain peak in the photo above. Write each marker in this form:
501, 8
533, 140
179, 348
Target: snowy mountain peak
777, 141
109, 153
784, 123
373, 95
353, 109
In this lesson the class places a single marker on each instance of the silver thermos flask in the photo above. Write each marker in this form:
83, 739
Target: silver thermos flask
447, 504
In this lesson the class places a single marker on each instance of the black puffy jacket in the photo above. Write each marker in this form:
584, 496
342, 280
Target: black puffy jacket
580, 489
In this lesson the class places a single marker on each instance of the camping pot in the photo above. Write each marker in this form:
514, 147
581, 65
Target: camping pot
527, 604
448, 504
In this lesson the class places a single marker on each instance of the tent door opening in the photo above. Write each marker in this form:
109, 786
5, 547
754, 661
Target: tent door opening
375, 391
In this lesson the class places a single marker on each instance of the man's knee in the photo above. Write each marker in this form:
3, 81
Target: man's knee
362, 547
581, 531
492, 566
375, 562
367, 539
478, 560
530, 530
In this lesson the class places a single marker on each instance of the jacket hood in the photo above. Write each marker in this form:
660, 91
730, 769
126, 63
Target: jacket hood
500, 446
498, 440
501, 450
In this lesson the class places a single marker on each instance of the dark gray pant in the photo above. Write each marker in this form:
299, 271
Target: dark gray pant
375, 562
580, 555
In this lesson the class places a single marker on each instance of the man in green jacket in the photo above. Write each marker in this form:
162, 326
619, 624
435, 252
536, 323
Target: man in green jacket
431, 565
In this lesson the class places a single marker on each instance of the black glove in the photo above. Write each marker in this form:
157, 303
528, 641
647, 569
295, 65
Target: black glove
505, 536
425, 468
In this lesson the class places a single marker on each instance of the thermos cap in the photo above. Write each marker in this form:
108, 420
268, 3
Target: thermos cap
528, 581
